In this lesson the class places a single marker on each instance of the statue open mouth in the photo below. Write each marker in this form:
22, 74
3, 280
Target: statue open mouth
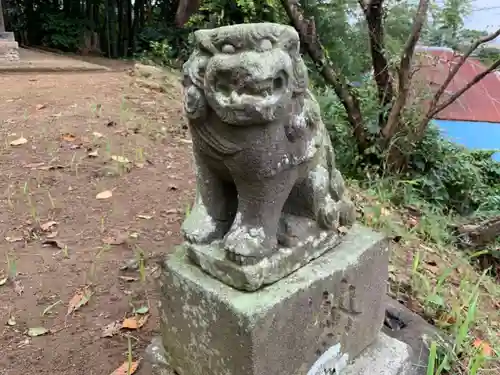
236, 92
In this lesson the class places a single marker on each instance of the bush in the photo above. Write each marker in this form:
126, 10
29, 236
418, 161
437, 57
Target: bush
441, 173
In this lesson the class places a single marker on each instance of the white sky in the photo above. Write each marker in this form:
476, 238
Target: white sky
485, 15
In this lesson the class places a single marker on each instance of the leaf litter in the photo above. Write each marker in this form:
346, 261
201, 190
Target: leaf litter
19, 141
37, 331
80, 299
104, 194
127, 368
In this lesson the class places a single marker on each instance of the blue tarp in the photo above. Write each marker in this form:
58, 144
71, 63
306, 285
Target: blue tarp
473, 135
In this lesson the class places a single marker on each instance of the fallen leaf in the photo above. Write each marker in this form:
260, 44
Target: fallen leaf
33, 165
68, 137
432, 267
111, 329
130, 323
14, 239
104, 194
52, 234
3, 281
19, 141
40, 106
145, 217
51, 167
37, 331
48, 225
135, 322
484, 346
127, 368
52, 243
48, 308
412, 222
141, 310
120, 159
18, 287
12, 321
80, 299
93, 154
128, 278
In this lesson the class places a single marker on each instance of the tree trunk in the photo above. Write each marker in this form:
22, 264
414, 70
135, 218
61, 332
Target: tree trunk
2, 21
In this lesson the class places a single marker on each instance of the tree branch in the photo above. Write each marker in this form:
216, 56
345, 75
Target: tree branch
460, 92
309, 39
404, 72
434, 108
454, 70
374, 13
185, 10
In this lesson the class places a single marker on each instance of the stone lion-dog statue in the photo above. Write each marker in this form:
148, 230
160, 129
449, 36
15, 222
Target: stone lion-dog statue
264, 162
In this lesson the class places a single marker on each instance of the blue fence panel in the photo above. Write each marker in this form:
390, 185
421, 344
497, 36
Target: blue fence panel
473, 135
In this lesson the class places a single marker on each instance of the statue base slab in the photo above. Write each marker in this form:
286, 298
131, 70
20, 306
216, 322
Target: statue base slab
326, 312
212, 259
9, 48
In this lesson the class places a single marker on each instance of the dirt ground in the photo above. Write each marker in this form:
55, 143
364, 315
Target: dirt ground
65, 139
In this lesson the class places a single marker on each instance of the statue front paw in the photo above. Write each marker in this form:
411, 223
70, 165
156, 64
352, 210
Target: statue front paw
246, 246
328, 214
200, 228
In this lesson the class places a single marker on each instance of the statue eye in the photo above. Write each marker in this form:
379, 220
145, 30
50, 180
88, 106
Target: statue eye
228, 48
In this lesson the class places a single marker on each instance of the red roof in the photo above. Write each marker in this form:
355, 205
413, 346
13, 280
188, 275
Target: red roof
480, 103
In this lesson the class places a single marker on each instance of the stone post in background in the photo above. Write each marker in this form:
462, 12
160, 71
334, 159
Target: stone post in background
9, 49
274, 276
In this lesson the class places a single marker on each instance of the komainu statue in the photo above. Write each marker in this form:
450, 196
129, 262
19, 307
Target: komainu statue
265, 169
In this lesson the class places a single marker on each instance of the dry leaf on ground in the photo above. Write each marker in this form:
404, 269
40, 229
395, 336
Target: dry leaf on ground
126, 368
68, 137
37, 331
79, 299
484, 346
19, 141
135, 322
111, 329
104, 194
48, 225
52, 243
120, 159
18, 287
128, 278
14, 239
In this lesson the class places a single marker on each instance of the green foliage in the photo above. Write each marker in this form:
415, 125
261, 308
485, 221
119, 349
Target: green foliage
442, 174
462, 180
214, 13
62, 32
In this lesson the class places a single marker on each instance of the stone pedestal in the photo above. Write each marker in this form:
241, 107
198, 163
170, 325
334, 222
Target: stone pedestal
317, 319
9, 48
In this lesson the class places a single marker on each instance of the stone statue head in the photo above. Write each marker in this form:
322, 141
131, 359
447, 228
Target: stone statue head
247, 74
